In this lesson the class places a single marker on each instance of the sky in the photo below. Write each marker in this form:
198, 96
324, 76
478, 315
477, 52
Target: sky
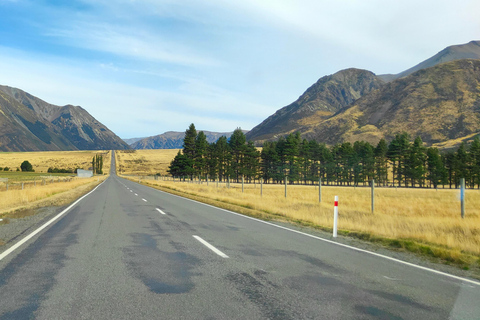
144, 67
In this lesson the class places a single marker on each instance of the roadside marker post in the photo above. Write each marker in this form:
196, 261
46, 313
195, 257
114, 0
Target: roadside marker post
335, 217
462, 197
320, 189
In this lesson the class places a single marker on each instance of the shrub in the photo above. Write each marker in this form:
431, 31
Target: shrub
6, 169
26, 166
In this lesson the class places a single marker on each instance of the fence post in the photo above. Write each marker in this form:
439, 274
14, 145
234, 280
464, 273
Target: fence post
22, 185
320, 189
373, 195
335, 217
207, 180
243, 180
285, 186
462, 196
228, 182
261, 187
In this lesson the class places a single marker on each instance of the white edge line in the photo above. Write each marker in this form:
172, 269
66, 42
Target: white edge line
209, 246
34, 233
333, 242
160, 211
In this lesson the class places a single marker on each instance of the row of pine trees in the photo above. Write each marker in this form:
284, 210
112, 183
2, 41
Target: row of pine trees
400, 163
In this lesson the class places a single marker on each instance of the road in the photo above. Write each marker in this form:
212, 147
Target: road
127, 251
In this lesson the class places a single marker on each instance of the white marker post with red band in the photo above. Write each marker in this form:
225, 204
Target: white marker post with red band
335, 217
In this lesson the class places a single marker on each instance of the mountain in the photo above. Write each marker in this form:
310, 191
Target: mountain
322, 100
438, 104
469, 50
132, 140
28, 123
173, 140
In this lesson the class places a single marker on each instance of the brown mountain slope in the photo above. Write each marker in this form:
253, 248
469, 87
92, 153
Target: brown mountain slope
323, 99
28, 123
438, 104
469, 50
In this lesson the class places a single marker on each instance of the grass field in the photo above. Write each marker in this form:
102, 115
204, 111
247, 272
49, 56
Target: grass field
41, 188
17, 199
41, 161
145, 162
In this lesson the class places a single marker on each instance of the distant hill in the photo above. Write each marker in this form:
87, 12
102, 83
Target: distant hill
438, 104
322, 100
28, 123
173, 140
469, 50
132, 140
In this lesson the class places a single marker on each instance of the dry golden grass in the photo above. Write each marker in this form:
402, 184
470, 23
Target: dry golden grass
58, 193
43, 160
144, 162
426, 216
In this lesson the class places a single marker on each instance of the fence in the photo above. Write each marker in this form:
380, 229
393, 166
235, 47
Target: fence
19, 184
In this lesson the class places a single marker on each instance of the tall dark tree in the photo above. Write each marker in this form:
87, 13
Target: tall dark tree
189, 142
475, 162
237, 146
381, 162
199, 158
415, 165
436, 172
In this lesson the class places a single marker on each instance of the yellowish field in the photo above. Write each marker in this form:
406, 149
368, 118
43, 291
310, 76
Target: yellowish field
41, 161
144, 162
12, 200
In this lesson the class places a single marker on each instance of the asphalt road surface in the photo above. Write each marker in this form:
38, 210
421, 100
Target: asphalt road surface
127, 251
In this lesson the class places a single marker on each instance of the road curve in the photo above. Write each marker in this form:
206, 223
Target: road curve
127, 251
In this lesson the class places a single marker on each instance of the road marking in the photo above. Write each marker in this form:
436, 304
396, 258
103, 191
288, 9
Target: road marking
131, 191
144, 200
160, 211
334, 242
34, 233
136, 194
209, 246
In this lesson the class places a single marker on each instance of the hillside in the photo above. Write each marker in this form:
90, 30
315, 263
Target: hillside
469, 50
173, 140
28, 123
322, 100
438, 104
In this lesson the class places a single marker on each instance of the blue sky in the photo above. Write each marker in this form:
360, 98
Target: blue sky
143, 67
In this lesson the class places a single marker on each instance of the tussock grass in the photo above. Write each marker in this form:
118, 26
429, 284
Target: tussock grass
424, 221
57, 194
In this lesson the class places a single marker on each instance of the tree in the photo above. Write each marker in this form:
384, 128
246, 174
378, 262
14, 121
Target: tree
436, 172
381, 162
237, 146
189, 142
180, 166
201, 145
475, 162
415, 165
26, 167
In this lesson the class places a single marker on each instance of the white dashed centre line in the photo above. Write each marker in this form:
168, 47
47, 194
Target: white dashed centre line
136, 194
144, 200
160, 211
209, 246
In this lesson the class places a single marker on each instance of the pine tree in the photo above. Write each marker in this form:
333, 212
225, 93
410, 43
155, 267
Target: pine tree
237, 146
381, 162
200, 163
